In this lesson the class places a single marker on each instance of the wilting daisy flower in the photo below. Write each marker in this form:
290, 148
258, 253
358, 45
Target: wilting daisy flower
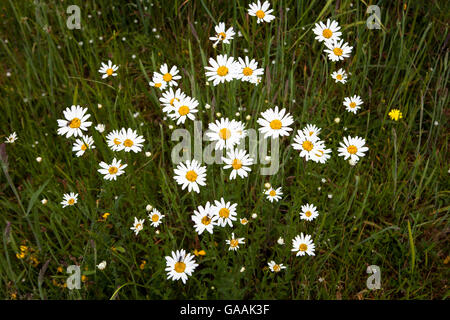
108, 69
190, 175
239, 127
353, 103
275, 123
222, 35
81, 145
111, 171
11, 138
303, 245
395, 114
100, 127
337, 50
169, 97
158, 81
273, 194
352, 148
261, 11
274, 267
243, 221
339, 76
234, 242
130, 140
239, 160
326, 32
224, 132
69, 199
185, 108
309, 212
138, 225
155, 217
169, 77
311, 130
225, 211
204, 219
114, 140
321, 154
248, 70
307, 145
180, 265
75, 122
221, 70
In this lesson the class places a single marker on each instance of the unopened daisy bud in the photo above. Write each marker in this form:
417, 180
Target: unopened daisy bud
319, 188
330, 196
280, 241
148, 154
157, 231
237, 114
352, 162
248, 117
324, 180
207, 106
212, 287
267, 185
436, 123
149, 207
102, 265
38, 159
242, 269
218, 114
99, 106
207, 83
254, 216
44, 201
170, 126
337, 120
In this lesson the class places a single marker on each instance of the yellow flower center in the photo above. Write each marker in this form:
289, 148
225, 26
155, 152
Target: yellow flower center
113, 170
327, 33
273, 193
206, 220
117, 141
276, 268
71, 201
352, 104
222, 71
307, 145
180, 267
221, 35
109, 71
191, 175
236, 164
138, 226
352, 149
155, 217
83, 147
260, 14
75, 123
339, 77
234, 243
224, 213
183, 110
157, 85
338, 51
275, 124
172, 100
247, 71
128, 143
167, 77
303, 247
224, 133
308, 213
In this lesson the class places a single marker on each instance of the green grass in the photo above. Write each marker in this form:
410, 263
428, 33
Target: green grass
390, 210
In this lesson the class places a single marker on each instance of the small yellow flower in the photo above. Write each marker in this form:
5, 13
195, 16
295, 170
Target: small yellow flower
59, 269
84, 278
20, 255
395, 114
447, 260
199, 253
23, 248
142, 266
13, 296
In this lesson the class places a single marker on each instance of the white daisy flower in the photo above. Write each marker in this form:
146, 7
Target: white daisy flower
158, 81
273, 194
274, 267
190, 175
222, 35
309, 212
337, 50
131, 141
225, 211
81, 145
311, 130
101, 265
169, 77
111, 171
185, 108
321, 154
240, 161
224, 132
138, 225
222, 69
234, 242
262, 12
204, 219
339, 76
108, 69
248, 70
100, 127
180, 265
11, 138
69, 199
303, 245
307, 145
75, 122
353, 103
243, 221
155, 217
327, 32
170, 96
275, 123
352, 148
114, 140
